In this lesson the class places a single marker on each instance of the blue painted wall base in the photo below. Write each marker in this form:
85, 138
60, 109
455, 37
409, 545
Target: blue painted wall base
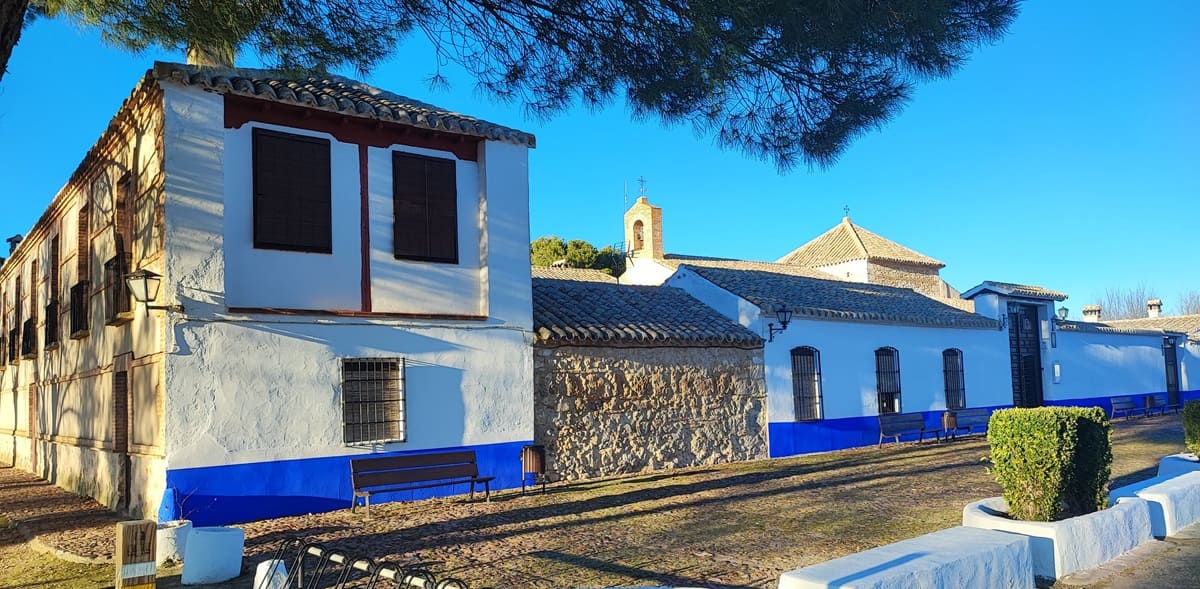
219, 495
789, 438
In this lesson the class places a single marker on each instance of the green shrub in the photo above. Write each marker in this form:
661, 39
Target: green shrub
1052, 462
1191, 426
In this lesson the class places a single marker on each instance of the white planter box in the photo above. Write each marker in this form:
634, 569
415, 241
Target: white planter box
1176, 464
1063, 547
956, 558
171, 541
1174, 501
213, 555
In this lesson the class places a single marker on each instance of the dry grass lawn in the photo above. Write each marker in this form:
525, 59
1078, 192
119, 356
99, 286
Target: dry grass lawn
736, 525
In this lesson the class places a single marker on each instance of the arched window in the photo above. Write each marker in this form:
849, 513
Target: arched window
638, 240
806, 383
956, 388
887, 379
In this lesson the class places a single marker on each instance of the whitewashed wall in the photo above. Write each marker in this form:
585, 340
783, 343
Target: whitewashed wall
1106, 365
1189, 366
645, 271
854, 270
250, 388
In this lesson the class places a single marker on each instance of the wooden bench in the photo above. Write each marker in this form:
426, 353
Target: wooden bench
970, 419
414, 471
1127, 407
893, 425
1158, 403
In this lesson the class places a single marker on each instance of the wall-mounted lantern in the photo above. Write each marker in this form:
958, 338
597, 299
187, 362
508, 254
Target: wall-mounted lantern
784, 315
1062, 313
144, 286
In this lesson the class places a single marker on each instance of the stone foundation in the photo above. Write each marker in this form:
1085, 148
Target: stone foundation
603, 411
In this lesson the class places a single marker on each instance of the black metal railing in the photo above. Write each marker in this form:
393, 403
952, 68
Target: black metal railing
308, 564
118, 305
50, 333
29, 338
80, 305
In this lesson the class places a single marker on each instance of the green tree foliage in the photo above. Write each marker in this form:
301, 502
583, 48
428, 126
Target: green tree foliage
577, 253
547, 250
1052, 462
1191, 426
12, 21
780, 80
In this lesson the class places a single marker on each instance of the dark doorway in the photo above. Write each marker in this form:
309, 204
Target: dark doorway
1025, 349
1171, 360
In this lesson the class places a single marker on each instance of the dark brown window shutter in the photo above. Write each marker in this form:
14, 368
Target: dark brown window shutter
83, 255
425, 205
292, 195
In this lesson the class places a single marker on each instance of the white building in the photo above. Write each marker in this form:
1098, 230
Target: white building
345, 271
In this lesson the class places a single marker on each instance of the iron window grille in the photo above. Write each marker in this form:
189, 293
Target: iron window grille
80, 305
118, 306
29, 338
806, 383
887, 379
51, 327
373, 400
952, 370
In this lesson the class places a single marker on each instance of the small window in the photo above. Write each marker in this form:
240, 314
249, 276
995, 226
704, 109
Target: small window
373, 408
638, 241
956, 388
425, 206
292, 196
118, 307
806, 383
80, 309
83, 255
887, 379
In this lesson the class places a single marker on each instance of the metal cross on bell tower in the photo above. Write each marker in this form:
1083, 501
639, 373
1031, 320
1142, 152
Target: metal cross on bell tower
642, 183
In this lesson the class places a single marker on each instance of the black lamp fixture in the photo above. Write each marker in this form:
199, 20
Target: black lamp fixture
784, 315
1062, 313
144, 286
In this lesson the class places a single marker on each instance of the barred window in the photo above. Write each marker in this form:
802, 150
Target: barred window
887, 379
956, 388
806, 383
373, 407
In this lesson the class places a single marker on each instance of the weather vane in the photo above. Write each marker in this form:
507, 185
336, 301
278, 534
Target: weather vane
642, 183
847, 210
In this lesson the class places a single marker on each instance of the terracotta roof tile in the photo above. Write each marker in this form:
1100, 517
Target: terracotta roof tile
823, 298
336, 94
676, 260
1174, 323
570, 312
1115, 327
580, 274
1017, 290
847, 241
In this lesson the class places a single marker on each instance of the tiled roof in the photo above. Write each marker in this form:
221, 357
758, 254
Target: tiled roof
568, 312
676, 260
1015, 290
580, 274
336, 94
1175, 323
823, 298
1112, 327
847, 241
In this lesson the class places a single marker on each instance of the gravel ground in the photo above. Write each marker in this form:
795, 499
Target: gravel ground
736, 525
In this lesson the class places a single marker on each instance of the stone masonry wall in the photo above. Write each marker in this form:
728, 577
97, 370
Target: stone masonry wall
611, 410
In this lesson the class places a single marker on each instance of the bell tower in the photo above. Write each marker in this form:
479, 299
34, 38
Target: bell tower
643, 230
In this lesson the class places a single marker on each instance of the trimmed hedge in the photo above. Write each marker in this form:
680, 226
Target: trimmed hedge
1052, 462
1191, 426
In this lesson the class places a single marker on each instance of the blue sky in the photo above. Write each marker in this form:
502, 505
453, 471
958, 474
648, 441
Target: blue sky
1067, 154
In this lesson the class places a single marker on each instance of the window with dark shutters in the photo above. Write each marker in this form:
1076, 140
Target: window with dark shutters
956, 388
806, 383
292, 196
887, 379
425, 207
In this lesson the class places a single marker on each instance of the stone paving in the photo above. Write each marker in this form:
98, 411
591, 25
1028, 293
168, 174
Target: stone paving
74, 525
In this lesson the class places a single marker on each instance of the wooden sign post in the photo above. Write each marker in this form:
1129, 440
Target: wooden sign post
135, 554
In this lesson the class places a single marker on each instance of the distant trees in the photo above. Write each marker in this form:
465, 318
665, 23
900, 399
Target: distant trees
1125, 303
577, 253
1189, 303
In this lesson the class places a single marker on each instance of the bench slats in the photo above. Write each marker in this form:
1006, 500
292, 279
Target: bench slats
400, 477
411, 461
893, 425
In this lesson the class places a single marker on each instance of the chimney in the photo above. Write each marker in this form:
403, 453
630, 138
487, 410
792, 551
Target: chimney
13, 242
1091, 313
1153, 308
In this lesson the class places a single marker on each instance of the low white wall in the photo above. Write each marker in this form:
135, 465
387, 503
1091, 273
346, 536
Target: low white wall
1177, 464
1174, 501
1064, 547
961, 558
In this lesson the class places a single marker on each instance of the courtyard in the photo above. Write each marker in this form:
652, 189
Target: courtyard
734, 525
